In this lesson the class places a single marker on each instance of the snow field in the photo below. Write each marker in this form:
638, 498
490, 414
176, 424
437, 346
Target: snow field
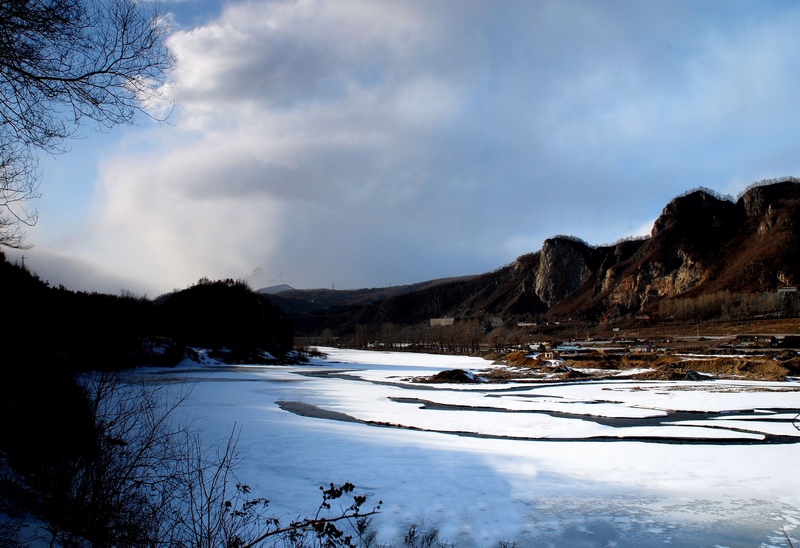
477, 488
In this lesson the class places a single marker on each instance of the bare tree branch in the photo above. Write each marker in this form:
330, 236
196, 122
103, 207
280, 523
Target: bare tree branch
65, 64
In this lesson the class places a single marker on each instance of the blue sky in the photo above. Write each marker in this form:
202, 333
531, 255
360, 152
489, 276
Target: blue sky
368, 143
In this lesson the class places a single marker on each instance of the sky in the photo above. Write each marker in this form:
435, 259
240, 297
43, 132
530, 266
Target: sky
356, 143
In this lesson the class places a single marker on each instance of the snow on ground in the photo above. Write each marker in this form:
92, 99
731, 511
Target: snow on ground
569, 464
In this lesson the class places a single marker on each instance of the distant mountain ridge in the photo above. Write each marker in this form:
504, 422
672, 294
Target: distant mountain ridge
275, 289
703, 246
294, 301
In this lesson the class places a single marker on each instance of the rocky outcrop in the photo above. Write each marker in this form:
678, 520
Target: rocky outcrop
701, 244
693, 214
758, 200
563, 267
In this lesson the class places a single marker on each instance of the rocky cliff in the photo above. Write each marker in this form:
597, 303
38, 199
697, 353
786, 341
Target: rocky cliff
701, 244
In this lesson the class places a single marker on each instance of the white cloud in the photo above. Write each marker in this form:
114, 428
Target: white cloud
154, 226
387, 142
57, 268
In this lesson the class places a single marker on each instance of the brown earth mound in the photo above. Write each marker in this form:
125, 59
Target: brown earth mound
458, 376
753, 367
792, 365
661, 366
518, 359
670, 372
620, 361
572, 375
554, 369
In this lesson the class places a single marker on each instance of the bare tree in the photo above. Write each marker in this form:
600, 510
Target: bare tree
65, 64
147, 480
18, 184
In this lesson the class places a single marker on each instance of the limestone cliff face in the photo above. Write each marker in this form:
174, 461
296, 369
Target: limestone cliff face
700, 244
563, 267
506, 292
652, 281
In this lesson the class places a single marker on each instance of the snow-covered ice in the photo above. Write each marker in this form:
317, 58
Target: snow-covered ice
613, 463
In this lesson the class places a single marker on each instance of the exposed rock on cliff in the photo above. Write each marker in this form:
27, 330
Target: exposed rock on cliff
563, 267
701, 244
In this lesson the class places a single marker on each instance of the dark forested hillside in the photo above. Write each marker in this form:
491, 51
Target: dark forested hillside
68, 330
94, 459
58, 328
225, 315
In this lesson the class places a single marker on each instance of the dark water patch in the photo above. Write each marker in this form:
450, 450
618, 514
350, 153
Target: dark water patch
342, 374
655, 420
310, 410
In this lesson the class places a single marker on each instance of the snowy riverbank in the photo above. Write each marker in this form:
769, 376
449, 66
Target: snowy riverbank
584, 464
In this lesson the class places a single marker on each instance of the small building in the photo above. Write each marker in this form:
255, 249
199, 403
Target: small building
758, 340
768, 340
540, 347
442, 322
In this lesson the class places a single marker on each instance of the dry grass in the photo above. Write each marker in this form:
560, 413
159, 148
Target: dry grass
790, 326
755, 368
519, 359
660, 366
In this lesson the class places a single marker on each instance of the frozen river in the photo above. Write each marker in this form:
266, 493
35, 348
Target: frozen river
582, 464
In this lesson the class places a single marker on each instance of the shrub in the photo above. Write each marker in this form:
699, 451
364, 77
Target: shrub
144, 479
